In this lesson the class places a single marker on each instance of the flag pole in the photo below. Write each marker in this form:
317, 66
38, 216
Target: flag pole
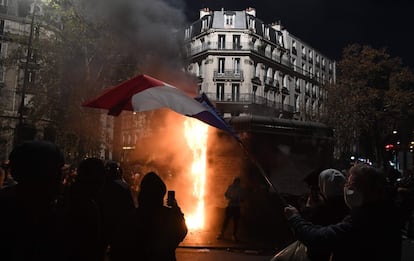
263, 174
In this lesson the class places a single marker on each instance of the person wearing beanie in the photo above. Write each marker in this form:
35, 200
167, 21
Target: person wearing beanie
372, 231
328, 208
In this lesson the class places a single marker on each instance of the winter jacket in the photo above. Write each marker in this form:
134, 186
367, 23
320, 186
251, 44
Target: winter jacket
368, 233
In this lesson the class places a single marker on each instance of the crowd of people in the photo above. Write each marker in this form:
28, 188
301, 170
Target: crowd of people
51, 211
90, 215
356, 215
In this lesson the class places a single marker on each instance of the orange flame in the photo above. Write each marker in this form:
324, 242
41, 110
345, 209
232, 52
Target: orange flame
196, 134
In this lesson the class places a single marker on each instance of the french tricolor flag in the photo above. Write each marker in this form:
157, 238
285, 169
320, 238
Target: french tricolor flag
144, 93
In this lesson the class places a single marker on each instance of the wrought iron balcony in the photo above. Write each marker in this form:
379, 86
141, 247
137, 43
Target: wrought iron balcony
228, 75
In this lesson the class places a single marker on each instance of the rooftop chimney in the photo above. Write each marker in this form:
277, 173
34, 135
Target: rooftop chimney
204, 12
251, 11
277, 25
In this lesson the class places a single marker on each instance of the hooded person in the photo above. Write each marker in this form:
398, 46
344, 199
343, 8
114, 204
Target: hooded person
328, 208
153, 231
331, 183
372, 230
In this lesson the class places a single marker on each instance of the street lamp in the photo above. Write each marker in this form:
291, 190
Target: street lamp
20, 126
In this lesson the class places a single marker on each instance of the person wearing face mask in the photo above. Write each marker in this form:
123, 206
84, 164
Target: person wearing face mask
370, 232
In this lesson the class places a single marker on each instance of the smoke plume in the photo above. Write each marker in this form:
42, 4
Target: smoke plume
149, 30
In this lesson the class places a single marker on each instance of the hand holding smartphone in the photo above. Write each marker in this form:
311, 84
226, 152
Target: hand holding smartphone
171, 198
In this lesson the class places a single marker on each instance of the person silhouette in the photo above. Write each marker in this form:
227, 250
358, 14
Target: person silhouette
30, 213
116, 201
153, 231
234, 196
372, 231
326, 206
83, 216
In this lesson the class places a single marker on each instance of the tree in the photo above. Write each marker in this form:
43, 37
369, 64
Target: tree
372, 94
77, 61
93, 44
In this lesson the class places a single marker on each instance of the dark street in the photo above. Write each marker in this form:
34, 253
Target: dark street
203, 246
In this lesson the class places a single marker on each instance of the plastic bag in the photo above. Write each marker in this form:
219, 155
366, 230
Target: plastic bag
293, 252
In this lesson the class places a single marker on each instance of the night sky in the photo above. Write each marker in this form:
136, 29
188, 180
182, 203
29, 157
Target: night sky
330, 25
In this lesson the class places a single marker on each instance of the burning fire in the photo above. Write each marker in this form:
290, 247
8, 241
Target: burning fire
196, 134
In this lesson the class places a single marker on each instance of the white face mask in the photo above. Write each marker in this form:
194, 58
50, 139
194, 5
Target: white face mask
352, 198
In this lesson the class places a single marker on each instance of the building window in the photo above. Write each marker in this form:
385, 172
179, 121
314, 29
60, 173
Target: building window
229, 21
254, 93
285, 81
280, 38
257, 70
294, 51
267, 33
297, 103
220, 92
200, 69
294, 64
204, 24
283, 101
31, 77
221, 41
236, 42
221, 65
1, 27
187, 33
236, 65
297, 83
2, 72
310, 54
251, 24
235, 92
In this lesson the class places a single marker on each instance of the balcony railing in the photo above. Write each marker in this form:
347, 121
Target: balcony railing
248, 98
247, 46
233, 47
228, 75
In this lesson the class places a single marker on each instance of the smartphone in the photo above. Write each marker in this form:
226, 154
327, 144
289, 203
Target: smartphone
170, 197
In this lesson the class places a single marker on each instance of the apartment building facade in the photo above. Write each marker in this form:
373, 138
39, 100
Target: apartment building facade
16, 22
250, 68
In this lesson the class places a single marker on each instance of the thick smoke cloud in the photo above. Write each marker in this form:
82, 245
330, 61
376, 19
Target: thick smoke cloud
147, 29
150, 30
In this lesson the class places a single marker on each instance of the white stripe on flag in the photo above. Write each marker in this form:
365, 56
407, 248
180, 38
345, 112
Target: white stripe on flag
166, 97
